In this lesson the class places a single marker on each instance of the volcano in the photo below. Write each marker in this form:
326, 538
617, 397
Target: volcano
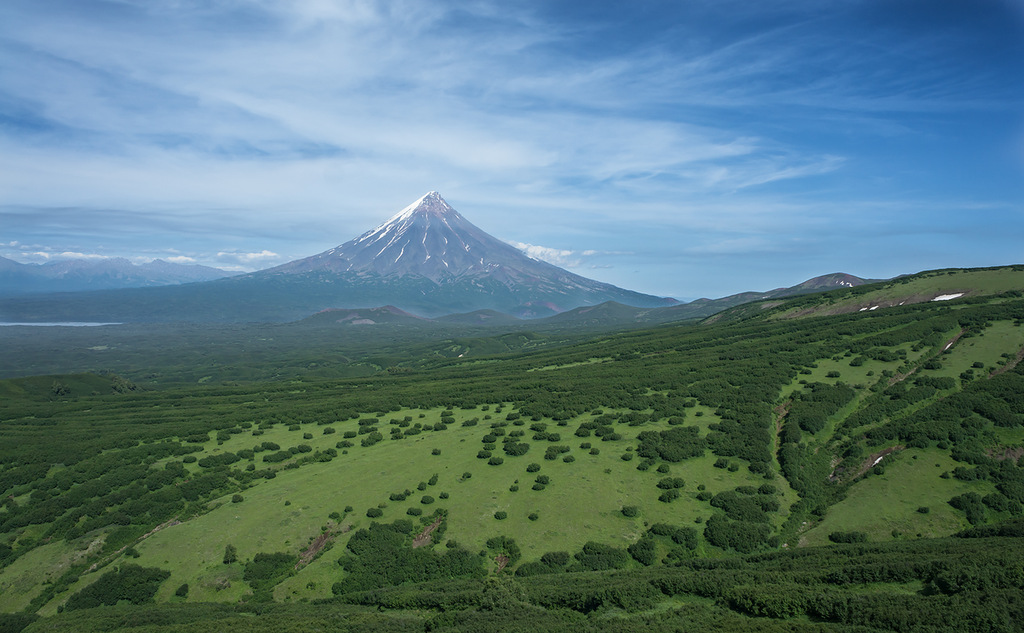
434, 261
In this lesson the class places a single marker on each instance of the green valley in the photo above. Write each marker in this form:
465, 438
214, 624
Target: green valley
803, 465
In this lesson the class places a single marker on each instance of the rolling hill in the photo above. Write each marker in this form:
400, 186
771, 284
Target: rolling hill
748, 474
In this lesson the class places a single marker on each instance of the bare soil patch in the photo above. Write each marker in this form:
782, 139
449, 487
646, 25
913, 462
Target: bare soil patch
307, 555
1003, 453
423, 538
901, 377
502, 561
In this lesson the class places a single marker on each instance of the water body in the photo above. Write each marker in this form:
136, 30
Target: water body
63, 324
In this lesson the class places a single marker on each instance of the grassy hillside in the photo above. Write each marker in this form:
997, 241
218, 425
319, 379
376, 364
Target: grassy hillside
650, 450
934, 285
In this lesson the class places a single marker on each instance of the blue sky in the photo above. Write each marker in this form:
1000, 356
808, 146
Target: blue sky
685, 148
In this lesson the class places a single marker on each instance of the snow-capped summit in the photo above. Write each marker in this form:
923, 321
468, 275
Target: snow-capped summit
427, 238
429, 203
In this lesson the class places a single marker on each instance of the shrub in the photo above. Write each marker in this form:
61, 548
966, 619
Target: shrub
630, 511
644, 551
669, 483
130, 583
495, 461
533, 516
373, 513
501, 515
848, 537
426, 500
237, 498
597, 557
669, 496
532, 468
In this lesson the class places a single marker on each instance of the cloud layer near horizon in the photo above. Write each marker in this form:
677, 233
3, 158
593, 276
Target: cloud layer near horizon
696, 148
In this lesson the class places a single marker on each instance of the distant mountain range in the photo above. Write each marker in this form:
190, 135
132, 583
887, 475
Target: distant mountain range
73, 275
425, 261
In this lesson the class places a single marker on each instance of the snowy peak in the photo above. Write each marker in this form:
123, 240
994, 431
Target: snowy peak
430, 211
428, 238
430, 204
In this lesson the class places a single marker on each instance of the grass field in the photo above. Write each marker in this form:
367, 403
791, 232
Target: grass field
581, 503
881, 504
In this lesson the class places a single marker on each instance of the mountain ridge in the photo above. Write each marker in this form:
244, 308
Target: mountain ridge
75, 275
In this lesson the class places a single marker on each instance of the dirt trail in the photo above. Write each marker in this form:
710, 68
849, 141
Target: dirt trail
423, 538
953, 340
1010, 365
875, 459
901, 377
781, 411
318, 544
145, 536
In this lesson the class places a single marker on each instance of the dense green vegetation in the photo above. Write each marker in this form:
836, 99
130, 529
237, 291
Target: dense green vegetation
652, 479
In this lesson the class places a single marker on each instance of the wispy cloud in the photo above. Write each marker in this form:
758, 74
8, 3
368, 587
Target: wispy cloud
180, 259
566, 258
247, 261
